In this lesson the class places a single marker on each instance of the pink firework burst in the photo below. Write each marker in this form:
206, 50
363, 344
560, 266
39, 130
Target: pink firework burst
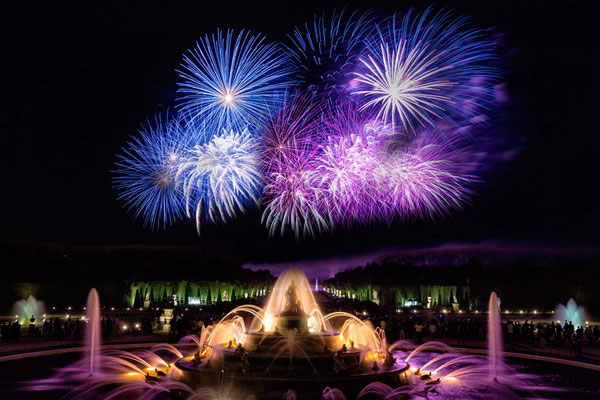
427, 178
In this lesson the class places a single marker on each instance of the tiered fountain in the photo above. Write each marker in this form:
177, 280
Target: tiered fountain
289, 344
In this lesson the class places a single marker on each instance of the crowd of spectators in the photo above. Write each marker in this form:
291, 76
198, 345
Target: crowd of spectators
11, 331
422, 325
398, 324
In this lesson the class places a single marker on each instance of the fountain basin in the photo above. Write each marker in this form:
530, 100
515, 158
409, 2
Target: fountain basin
280, 379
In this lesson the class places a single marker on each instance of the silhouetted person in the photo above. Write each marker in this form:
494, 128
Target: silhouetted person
16, 331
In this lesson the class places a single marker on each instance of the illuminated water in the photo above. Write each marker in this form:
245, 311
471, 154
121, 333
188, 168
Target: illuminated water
495, 336
92, 331
24, 309
571, 312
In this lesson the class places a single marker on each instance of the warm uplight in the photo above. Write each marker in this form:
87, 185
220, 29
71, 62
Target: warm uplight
124, 327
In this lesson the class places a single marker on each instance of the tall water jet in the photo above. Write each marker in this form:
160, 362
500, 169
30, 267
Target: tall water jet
495, 336
26, 308
304, 301
571, 312
92, 332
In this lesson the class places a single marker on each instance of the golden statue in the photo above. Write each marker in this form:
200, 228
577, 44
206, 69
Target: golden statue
293, 304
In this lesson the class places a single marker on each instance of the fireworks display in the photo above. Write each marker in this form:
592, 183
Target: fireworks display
355, 119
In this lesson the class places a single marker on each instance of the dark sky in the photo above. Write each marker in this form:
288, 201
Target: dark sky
80, 76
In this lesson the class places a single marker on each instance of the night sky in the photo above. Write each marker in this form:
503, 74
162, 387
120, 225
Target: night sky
80, 76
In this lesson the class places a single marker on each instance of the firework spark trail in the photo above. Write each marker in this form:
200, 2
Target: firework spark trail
425, 68
233, 80
145, 172
221, 177
326, 50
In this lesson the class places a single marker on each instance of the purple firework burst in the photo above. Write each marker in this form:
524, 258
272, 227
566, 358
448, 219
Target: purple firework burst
292, 196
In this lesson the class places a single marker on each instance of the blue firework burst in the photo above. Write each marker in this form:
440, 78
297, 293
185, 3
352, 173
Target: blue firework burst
326, 50
146, 170
233, 80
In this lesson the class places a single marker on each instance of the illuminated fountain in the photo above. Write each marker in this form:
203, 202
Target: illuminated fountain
24, 309
571, 312
288, 343
92, 331
495, 336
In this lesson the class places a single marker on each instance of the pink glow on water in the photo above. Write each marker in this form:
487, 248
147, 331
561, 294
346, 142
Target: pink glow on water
92, 332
